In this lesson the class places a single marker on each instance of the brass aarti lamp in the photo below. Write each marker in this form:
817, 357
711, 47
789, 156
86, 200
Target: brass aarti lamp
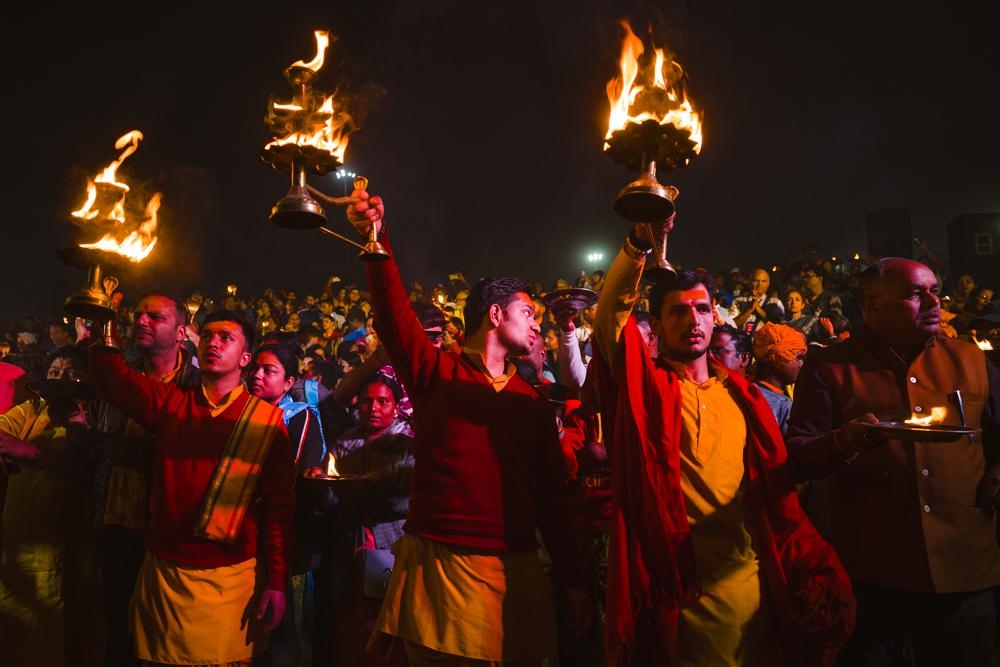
311, 132
652, 126
93, 300
121, 241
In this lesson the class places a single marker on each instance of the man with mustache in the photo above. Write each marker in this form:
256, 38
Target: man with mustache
220, 529
123, 469
711, 558
468, 584
913, 521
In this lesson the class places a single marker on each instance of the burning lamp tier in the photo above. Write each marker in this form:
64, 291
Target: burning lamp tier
645, 147
306, 115
311, 135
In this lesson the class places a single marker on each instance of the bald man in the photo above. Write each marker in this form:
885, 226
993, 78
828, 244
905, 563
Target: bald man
912, 520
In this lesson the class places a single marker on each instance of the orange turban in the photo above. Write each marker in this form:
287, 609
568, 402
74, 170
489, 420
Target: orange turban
778, 344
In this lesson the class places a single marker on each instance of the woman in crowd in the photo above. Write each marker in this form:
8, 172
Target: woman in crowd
274, 371
375, 456
815, 330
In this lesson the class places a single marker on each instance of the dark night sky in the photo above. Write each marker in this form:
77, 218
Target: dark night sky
486, 138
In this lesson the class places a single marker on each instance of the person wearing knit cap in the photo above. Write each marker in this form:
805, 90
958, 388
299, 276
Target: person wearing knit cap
779, 350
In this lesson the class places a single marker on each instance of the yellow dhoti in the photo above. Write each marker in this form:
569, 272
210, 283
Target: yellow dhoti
196, 616
486, 606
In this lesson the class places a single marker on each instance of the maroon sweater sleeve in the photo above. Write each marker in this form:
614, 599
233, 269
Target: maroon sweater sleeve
138, 396
411, 352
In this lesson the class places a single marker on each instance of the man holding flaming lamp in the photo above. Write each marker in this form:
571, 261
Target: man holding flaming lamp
711, 555
911, 504
488, 474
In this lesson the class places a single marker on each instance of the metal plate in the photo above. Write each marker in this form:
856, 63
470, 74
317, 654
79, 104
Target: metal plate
340, 478
573, 298
934, 433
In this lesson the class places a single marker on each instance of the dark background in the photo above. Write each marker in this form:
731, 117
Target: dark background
484, 132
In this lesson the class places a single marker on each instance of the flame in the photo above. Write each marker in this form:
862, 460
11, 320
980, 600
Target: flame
936, 416
331, 466
311, 118
137, 245
984, 345
316, 64
116, 191
645, 91
105, 206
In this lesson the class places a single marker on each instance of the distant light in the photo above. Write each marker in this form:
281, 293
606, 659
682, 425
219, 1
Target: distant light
344, 173
595, 256
857, 256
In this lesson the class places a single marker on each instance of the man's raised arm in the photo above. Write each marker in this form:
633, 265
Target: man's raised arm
619, 296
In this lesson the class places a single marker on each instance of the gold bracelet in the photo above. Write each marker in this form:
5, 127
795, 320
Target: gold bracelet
633, 250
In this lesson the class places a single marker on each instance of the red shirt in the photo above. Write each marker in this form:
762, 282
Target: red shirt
488, 465
189, 443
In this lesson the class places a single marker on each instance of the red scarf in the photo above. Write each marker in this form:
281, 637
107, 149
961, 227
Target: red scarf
651, 564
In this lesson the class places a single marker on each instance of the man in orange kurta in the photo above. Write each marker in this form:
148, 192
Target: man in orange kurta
711, 556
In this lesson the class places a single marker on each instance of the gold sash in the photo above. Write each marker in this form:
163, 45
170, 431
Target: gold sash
228, 497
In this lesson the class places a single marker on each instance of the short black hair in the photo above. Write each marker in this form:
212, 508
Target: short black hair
488, 291
428, 314
179, 308
224, 315
682, 281
742, 342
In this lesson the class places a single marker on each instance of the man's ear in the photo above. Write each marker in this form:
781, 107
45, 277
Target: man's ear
495, 315
181, 333
245, 359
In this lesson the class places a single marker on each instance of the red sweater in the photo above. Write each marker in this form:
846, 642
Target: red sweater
488, 466
189, 443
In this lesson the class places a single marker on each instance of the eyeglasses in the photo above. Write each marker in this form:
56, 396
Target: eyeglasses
718, 351
434, 336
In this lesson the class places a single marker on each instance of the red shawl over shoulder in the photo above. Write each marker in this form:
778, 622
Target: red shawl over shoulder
651, 568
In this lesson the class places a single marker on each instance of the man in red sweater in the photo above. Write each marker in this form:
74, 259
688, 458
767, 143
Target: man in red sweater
223, 476
468, 582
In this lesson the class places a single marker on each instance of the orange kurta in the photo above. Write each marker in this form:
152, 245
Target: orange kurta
722, 627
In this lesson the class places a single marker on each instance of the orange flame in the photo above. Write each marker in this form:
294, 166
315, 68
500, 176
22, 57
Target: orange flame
331, 466
984, 345
646, 90
313, 118
137, 245
105, 205
936, 416
322, 41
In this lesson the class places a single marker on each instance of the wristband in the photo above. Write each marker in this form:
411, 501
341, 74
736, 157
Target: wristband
636, 248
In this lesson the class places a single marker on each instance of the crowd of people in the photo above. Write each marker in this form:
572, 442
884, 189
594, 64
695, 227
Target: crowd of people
691, 471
